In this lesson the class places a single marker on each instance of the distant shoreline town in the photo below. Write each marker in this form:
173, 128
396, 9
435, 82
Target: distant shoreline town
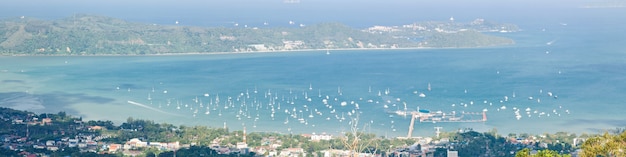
98, 35
326, 51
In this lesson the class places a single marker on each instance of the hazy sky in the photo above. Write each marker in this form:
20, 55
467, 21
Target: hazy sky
307, 11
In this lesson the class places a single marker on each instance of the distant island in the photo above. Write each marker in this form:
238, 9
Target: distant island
99, 35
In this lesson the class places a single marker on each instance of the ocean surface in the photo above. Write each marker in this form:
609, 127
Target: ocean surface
563, 75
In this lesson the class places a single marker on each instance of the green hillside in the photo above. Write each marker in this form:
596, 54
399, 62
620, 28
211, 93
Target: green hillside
98, 35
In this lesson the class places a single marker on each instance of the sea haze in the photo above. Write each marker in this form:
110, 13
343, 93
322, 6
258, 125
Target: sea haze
278, 13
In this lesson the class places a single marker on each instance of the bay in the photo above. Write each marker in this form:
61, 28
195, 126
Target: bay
570, 77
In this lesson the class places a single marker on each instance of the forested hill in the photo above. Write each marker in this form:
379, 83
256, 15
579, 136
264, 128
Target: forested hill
98, 35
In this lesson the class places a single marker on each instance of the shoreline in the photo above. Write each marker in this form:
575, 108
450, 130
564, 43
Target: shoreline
235, 127
249, 52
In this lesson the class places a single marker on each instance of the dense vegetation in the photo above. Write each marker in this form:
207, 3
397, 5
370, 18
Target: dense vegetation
97, 35
605, 145
541, 153
463, 39
467, 143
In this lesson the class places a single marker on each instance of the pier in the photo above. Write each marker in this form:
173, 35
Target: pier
439, 116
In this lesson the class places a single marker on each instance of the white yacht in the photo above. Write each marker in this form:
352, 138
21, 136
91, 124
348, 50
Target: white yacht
422, 95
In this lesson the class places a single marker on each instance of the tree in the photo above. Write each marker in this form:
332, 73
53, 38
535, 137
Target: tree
355, 141
472, 143
107, 124
493, 132
166, 154
606, 145
541, 153
549, 153
523, 153
8, 152
150, 154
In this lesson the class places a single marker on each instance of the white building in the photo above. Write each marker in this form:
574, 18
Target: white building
322, 136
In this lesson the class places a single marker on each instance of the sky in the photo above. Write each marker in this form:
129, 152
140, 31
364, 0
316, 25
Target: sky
355, 12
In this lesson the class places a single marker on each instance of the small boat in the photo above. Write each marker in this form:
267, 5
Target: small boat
319, 93
339, 90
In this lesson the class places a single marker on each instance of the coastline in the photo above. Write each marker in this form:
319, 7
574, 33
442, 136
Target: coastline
312, 52
253, 52
222, 53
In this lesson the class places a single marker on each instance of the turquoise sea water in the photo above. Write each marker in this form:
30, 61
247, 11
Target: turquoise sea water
584, 66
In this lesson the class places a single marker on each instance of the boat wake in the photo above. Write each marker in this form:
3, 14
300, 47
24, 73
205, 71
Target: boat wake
551, 42
151, 108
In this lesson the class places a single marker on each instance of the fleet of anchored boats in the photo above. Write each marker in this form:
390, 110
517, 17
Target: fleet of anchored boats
311, 107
